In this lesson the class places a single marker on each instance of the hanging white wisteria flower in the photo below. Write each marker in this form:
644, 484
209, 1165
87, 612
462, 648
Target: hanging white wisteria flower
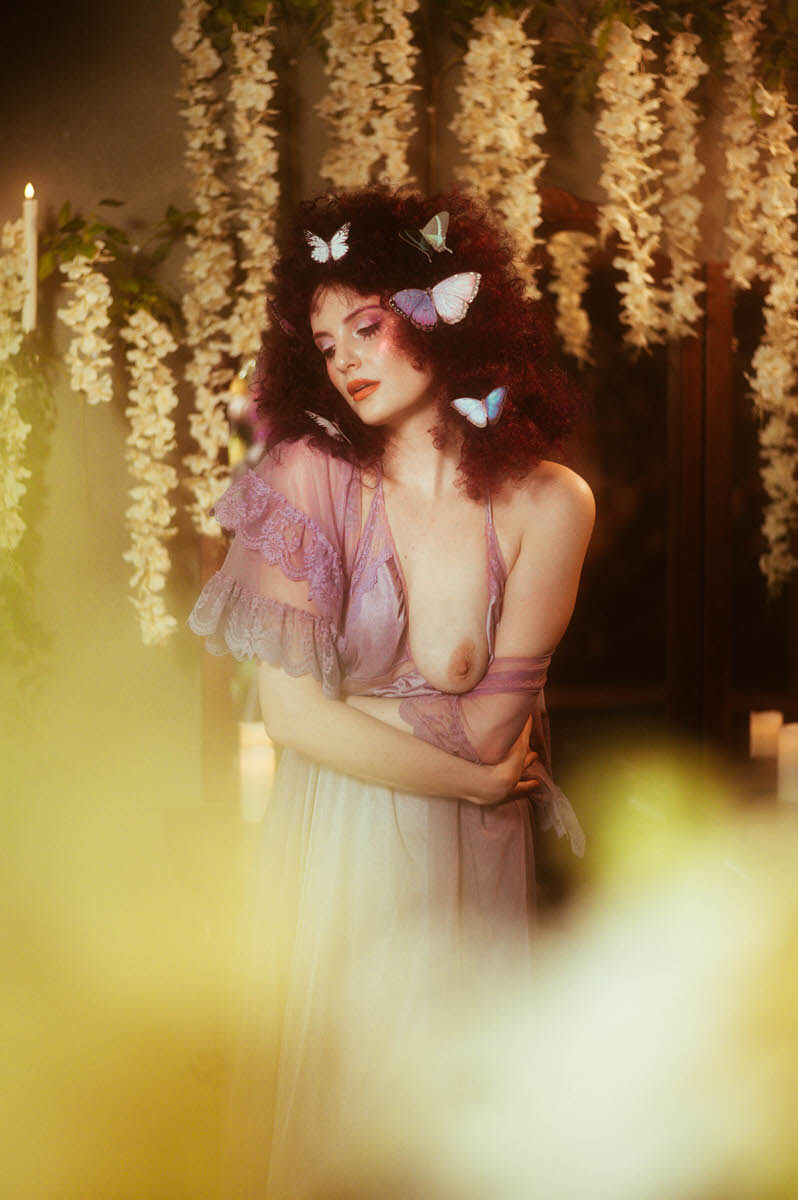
392, 124
497, 125
152, 398
256, 160
210, 263
368, 107
13, 430
570, 256
740, 135
353, 78
681, 172
630, 131
773, 378
88, 314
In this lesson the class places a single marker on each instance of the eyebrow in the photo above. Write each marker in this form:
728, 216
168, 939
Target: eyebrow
349, 317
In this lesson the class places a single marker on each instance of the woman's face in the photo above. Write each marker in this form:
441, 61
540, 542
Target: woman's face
366, 362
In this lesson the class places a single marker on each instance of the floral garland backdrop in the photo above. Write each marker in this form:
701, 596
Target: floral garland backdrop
256, 159
740, 133
497, 125
152, 398
570, 251
88, 314
630, 129
210, 264
681, 208
368, 107
13, 430
774, 377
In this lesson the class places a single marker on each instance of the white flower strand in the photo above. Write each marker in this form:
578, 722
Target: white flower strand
570, 255
152, 397
210, 264
741, 138
88, 314
630, 131
497, 125
353, 80
392, 126
251, 94
774, 378
13, 430
369, 107
681, 209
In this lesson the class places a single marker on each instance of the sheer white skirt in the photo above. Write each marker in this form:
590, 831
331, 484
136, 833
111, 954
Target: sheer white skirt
360, 905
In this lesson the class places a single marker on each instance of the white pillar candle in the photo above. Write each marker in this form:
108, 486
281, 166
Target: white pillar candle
30, 209
763, 729
788, 764
255, 768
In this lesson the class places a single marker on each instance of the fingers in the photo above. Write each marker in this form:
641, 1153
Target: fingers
531, 755
525, 787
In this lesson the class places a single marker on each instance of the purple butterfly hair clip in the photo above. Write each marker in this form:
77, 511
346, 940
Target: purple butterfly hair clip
448, 300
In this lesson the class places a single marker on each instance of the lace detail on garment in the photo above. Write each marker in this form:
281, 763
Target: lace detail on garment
264, 520
437, 719
233, 618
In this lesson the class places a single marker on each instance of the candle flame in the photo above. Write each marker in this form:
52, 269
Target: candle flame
29, 193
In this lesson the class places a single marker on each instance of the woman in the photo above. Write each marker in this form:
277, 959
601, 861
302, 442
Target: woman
405, 561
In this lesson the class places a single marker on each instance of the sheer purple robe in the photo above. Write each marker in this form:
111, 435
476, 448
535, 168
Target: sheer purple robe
344, 866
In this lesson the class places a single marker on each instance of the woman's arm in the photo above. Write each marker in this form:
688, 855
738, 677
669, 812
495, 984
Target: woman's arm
296, 713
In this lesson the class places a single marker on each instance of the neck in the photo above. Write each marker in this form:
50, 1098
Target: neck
413, 462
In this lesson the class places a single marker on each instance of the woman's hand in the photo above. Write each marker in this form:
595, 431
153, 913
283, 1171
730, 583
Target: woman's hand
504, 779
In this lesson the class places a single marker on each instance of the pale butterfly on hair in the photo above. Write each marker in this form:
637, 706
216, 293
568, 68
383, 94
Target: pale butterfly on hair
433, 235
330, 427
448, 300
321, 251
482, 412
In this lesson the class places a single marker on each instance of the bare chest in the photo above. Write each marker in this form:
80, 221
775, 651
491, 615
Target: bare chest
442, 553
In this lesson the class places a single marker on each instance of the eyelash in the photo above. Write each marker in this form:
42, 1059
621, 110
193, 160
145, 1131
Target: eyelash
368, 331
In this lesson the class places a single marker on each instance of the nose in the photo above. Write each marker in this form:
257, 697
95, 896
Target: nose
346, 355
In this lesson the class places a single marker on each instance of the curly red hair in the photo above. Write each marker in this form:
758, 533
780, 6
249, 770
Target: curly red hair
504, 338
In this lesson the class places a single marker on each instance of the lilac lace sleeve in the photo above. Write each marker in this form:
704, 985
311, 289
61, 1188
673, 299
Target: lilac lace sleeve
279, 593
481, 725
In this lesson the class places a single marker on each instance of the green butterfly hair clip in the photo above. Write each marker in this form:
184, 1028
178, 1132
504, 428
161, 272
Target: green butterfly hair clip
432, 236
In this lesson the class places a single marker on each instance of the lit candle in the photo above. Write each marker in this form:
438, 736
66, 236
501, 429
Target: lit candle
788, 763
30, 208
763, 728
255, 767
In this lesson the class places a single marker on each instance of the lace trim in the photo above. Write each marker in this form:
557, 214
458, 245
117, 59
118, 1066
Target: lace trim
364, 576
439, 723
237, 620
264, 520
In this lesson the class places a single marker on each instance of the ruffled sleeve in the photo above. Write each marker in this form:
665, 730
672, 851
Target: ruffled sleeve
279, 593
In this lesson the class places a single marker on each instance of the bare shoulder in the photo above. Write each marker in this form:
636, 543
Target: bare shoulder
557, 500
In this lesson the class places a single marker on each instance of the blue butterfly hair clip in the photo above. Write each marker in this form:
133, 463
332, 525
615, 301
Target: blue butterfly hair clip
482, 412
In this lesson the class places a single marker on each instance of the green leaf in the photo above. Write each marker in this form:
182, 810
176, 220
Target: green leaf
46, 264
74, 225
65, 214
111, 202
131, 286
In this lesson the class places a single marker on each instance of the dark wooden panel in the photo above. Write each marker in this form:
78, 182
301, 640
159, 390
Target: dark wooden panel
684, 676
718, 469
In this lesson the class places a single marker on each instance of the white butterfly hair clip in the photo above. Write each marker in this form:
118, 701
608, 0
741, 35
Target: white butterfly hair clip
448, 300
321, 251
482, 412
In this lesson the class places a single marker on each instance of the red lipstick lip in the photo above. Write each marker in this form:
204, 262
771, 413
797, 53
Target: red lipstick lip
359, 384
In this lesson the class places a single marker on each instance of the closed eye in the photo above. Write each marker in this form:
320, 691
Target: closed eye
368, 331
